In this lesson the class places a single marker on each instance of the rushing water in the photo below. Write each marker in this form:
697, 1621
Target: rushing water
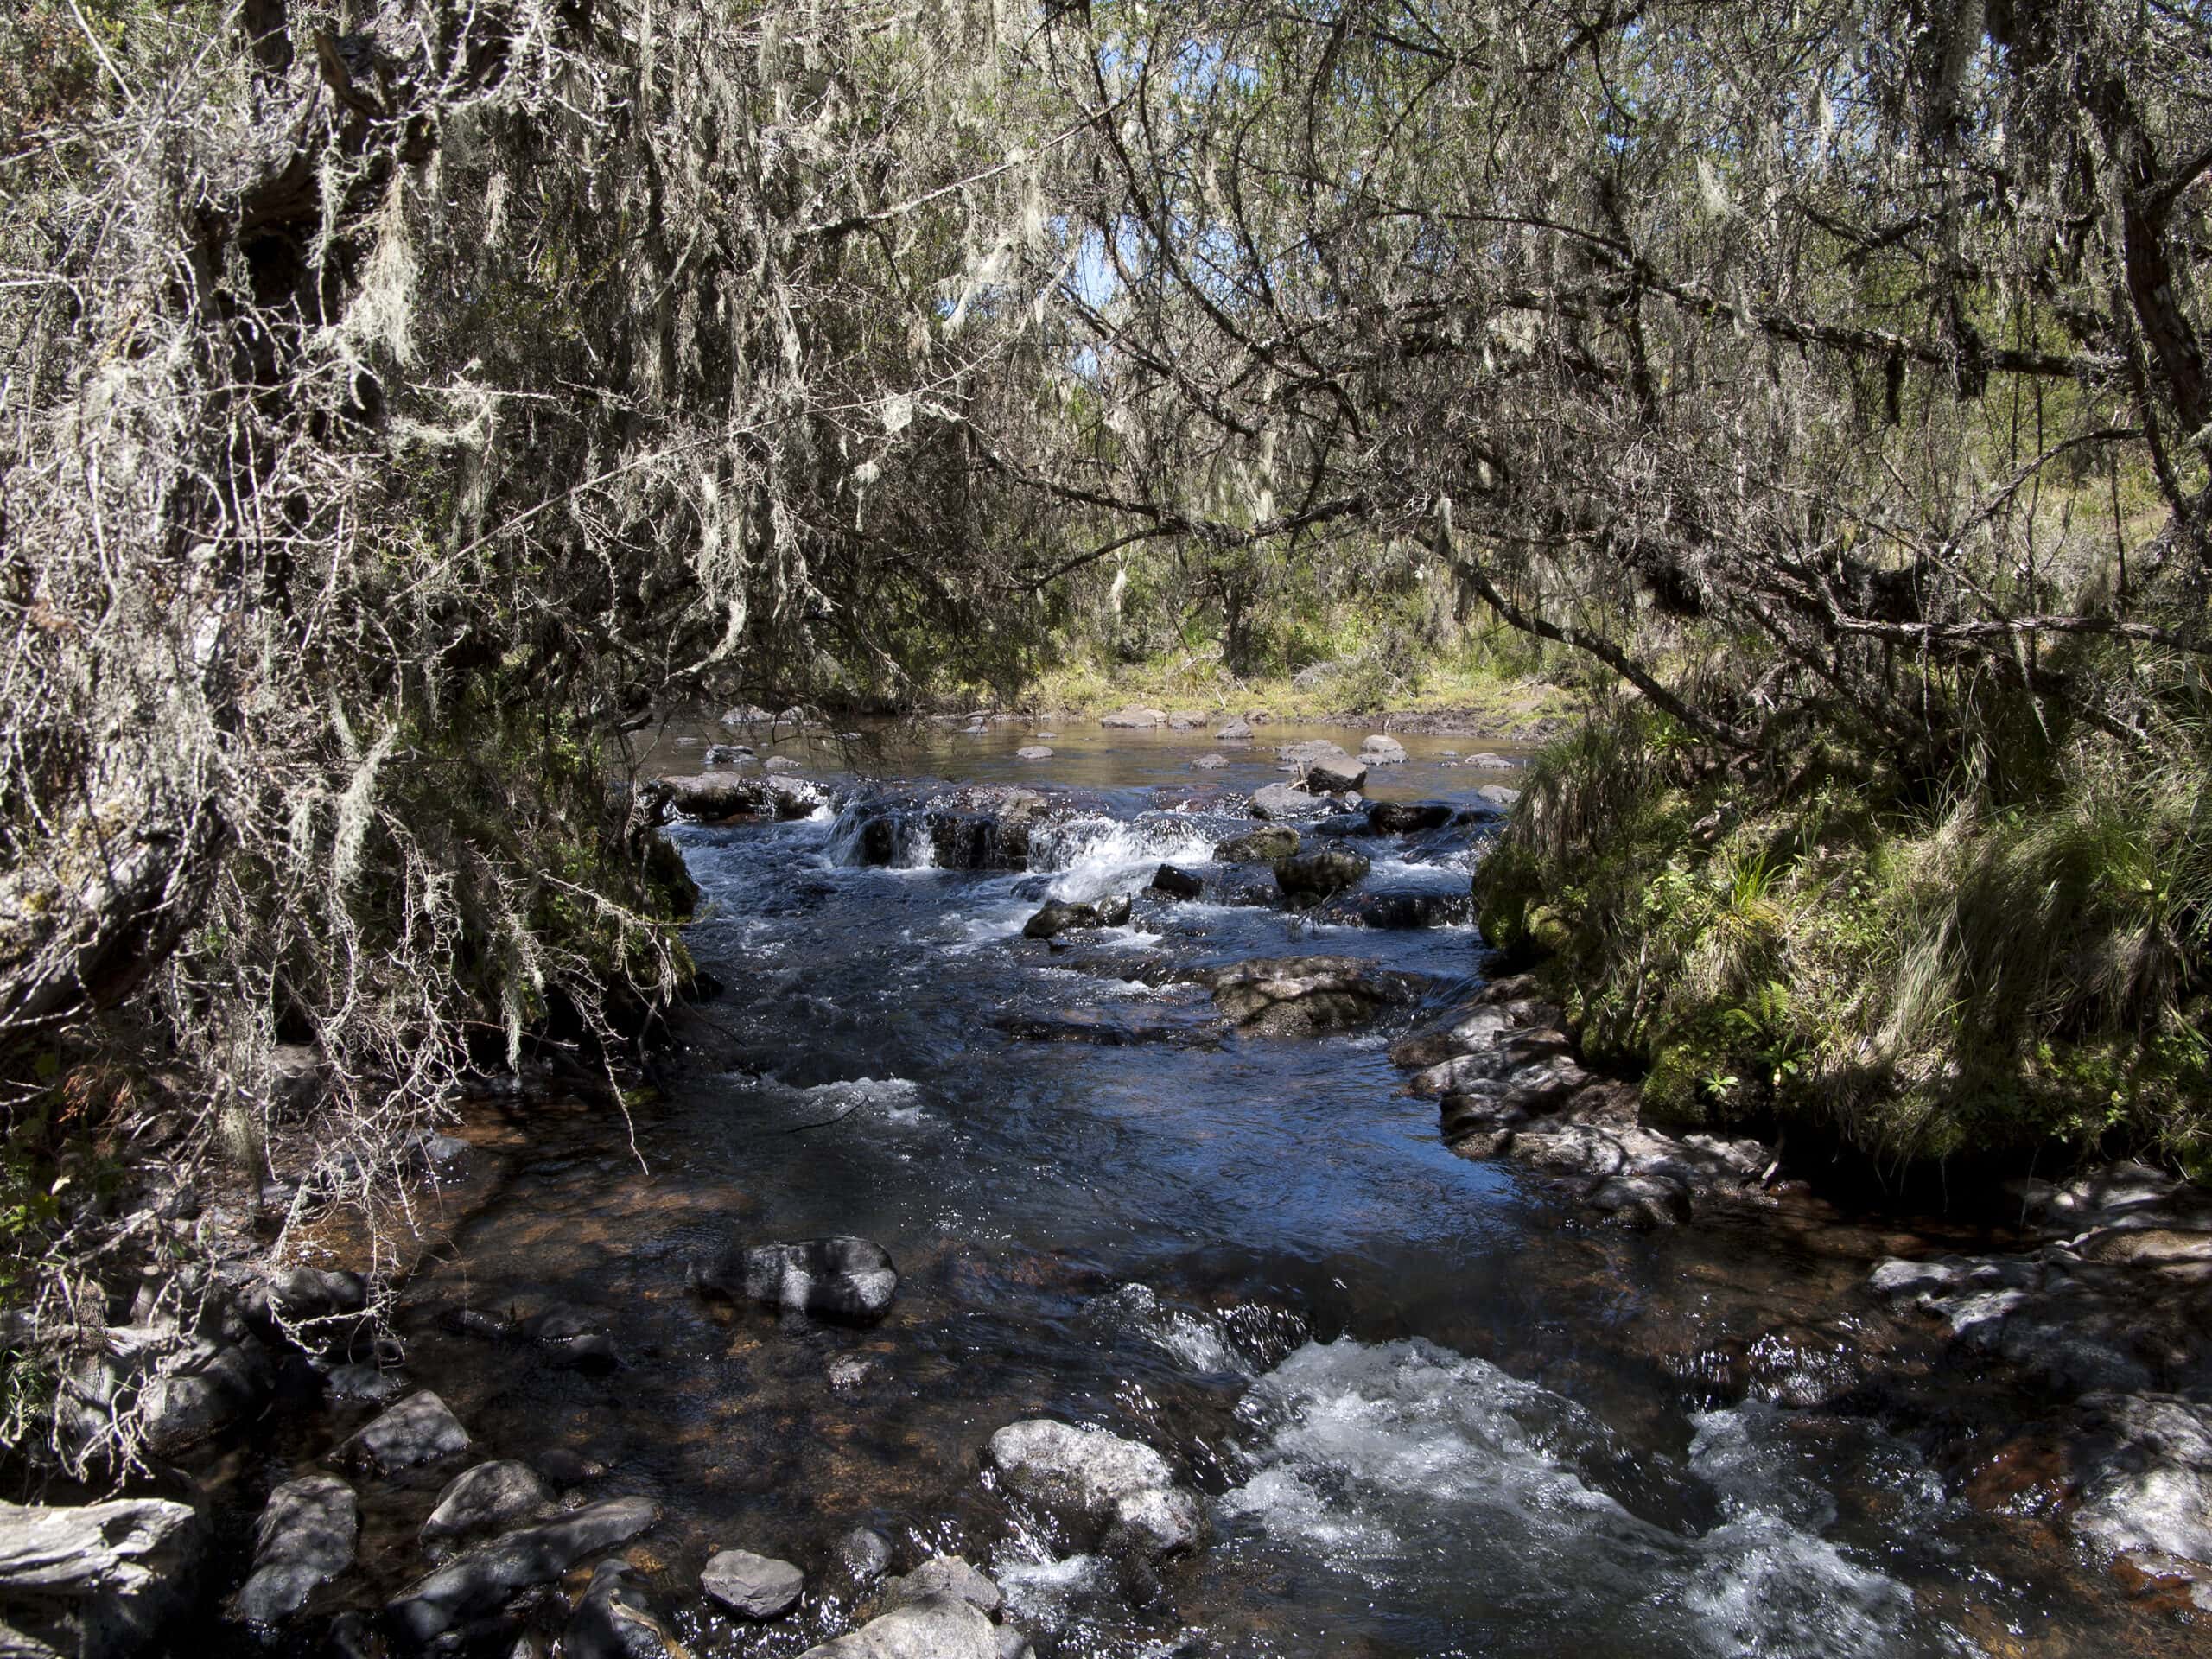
1434, 1411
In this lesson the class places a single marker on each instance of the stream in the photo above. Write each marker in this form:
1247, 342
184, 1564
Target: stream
1433, 1410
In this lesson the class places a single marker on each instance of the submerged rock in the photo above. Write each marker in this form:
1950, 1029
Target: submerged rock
1295, 996
491, 1499
419, 1429
842, 1277
1032, 751
936, 1627
480, 1582
308, 1533
754, 1586
1210, 762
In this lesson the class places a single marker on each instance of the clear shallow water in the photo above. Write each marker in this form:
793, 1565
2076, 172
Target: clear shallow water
1435, 1412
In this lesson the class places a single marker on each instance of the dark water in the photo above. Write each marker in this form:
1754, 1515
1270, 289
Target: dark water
1435, 1411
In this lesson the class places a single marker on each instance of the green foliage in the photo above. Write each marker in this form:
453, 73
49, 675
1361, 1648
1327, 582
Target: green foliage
1922, 982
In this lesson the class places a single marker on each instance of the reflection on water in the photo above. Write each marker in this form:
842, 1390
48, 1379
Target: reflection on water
1436, 1413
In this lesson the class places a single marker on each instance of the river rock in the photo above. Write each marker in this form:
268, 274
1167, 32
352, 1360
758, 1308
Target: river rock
491, 1499
862, 1556
97, 1581
1311, 877
1176, 883
308, 1533
615, 1620
1413, 908
1408, 817
480, 1582
1498, 795
936, 1627
841, 1278
1184, 720
1032, 751
1286, 996
1058, 918
1237, 731
419, 1429
363, 1385
944, 1575
574, 1336
1258, 846
1383, 750
2148, 1485
1278, 801
1210, 762
1334, 774
1114, 1493
784, 763
1134, 718
755, 1586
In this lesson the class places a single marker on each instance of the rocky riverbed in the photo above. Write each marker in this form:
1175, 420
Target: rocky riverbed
1108, 1210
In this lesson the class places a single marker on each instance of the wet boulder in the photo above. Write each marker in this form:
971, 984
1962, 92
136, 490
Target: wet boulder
1310, 877
838, 1278
1383, 750
483, 1501
574, 1336
1134, 718
476, 1585
1408, 817
2147, 1482
1411, 908
615, 1620
1210, 762
1237, 731
752, 1587
1032, 751
97, 1581
936, 1627
419, 1429
1288, 801
308, 1533
784, 763
1060, 916
1334, 775
1258, 846
1296, 757
1287, 996
862, 1556
1498, 795
944, 1575
1175, 883
1111, 1493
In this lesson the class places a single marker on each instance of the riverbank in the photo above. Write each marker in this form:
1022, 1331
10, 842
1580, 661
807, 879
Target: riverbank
1184, 1171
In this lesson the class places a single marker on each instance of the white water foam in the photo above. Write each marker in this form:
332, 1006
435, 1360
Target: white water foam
1405, 1463
1092, 857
